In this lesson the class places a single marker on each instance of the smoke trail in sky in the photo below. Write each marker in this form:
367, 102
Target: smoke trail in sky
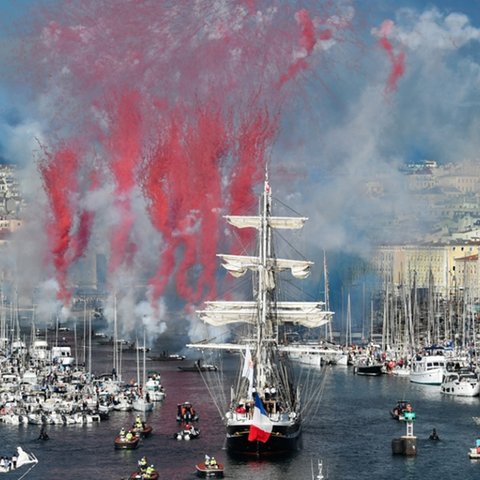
85, 223
397, 60
123, 153
59, 172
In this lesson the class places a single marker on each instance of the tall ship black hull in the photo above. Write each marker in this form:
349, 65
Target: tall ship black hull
282, 441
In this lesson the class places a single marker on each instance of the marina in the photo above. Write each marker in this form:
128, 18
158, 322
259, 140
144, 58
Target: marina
352, 437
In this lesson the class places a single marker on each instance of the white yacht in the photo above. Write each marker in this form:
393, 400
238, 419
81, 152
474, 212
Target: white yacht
62, 355
40, 350
463, 383
428, 369
314, 355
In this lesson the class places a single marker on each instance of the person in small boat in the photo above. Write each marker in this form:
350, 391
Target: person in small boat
477, 444
433, 435
143, 464
139, 423
207, 460
213, 463
149, 472
129, 436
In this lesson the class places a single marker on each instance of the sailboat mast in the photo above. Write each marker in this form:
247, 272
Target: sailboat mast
144, 380
115, 336
328, 326
138, 362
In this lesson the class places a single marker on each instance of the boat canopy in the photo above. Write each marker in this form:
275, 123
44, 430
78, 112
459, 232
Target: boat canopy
237, 265
246, 221
307, 314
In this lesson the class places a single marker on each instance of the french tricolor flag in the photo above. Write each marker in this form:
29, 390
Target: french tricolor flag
261, 427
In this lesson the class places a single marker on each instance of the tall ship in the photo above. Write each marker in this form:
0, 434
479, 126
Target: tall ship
264, 415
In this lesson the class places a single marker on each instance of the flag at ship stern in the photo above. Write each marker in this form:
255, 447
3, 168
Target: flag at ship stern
261, 427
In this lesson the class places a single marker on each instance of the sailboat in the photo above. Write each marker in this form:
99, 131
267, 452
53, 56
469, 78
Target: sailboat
142, 402
264, 415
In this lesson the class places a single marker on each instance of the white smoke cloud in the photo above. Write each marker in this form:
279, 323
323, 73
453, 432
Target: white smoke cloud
432, 30
20, 141
355, 134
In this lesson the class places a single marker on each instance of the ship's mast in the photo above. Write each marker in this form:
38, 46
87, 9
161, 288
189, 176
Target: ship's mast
264, 253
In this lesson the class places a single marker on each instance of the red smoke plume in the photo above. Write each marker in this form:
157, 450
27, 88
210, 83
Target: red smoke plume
85, 224
182, 99
397, 60
123, 145
59, 172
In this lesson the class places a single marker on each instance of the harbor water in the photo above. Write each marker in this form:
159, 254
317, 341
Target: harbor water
351, 433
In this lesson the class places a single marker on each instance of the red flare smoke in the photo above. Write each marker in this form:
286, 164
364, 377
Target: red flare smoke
59, 174
397, 60
124, 146
189, 161
191, 95
85, 224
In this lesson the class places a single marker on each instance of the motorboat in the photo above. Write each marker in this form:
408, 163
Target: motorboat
399, 409
139, 475
462, 383
199, 367
367, 366
209, 468
126, 442
142, 403
187, 433
474, 452
186, 412
154, 388
314, 355
401, 371
173, 357
141, 429
428, 369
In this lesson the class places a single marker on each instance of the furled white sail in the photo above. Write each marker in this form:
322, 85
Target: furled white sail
237, 265
308, 314
287, 223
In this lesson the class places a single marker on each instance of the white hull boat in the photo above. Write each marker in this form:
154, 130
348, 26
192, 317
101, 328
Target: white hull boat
428, 370
462, 384
140, 404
